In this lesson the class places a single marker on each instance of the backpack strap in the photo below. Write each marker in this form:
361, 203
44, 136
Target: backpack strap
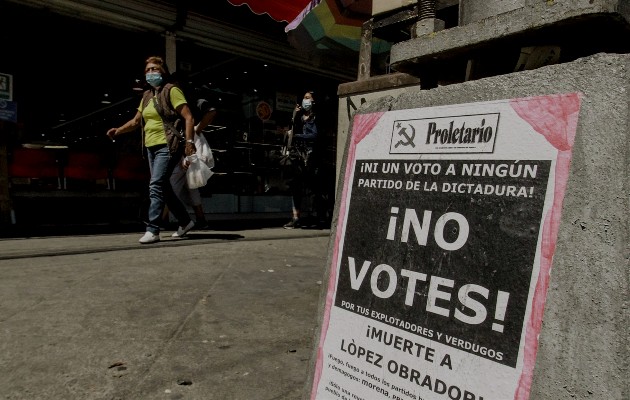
161, 98
163, 104
146, 97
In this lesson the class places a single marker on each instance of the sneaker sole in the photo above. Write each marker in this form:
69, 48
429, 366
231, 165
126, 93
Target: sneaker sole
183, 234
149, 242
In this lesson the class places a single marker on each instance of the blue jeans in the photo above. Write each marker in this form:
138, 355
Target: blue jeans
161, 165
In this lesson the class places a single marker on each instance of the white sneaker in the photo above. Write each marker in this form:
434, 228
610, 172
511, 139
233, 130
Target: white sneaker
181, 232
149, 237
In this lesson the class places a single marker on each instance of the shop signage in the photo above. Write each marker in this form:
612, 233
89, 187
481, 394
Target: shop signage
6, 87
263, 111
8, 111
285, 102
440, 265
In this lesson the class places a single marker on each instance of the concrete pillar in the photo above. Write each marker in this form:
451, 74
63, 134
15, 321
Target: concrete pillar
581, 346
171, 51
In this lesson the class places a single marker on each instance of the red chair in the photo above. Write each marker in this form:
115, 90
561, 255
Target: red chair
131, 170
86, 168
33, 163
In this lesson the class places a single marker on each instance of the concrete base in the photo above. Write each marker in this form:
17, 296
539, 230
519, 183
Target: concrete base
477, 10
583, 348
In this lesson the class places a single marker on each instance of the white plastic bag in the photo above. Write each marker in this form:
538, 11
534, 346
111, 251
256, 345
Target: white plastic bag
198, 172
204, 153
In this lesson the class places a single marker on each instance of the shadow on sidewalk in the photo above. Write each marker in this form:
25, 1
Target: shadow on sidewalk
78, 229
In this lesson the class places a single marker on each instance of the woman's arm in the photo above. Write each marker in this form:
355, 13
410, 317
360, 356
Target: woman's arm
207, 118
128, 126
185, 113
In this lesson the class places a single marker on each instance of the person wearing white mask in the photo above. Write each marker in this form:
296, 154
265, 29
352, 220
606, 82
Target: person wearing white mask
305, 134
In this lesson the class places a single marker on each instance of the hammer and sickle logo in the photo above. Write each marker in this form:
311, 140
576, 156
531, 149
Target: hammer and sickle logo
402, 131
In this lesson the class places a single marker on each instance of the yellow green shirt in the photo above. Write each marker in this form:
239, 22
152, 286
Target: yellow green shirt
153, 127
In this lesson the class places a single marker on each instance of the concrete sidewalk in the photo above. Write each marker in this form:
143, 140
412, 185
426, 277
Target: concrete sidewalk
220, 315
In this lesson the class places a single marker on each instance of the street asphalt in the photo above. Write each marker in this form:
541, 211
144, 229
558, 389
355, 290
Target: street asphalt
227, 315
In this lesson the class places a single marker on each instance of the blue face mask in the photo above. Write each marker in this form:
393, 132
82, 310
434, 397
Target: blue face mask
154, 79
307, 104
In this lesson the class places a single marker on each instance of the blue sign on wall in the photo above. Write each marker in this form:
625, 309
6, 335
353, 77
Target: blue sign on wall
8, 111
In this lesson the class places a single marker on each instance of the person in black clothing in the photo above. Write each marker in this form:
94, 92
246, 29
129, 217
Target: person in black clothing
203, 114
306, 139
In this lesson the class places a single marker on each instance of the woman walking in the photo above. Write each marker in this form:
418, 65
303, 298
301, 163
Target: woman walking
161, 100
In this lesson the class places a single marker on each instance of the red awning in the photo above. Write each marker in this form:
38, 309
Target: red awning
280, 10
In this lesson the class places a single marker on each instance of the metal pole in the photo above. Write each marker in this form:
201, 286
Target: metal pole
365, 52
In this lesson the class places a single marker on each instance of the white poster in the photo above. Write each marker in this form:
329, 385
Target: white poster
447, 228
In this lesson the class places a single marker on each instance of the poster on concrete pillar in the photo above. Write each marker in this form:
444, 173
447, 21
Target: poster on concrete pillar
447, 228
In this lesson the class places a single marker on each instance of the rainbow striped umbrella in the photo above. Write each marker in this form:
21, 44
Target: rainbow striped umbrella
333, 25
